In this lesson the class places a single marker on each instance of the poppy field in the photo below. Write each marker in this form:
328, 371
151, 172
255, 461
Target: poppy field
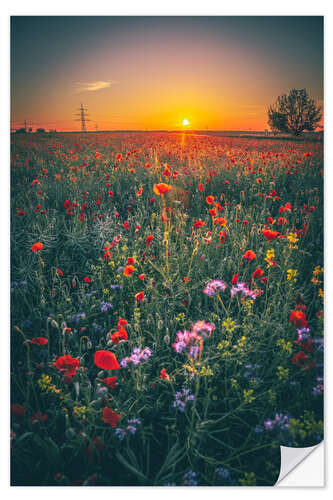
166, 307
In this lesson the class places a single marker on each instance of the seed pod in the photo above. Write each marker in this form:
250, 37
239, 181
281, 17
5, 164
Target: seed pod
70, 433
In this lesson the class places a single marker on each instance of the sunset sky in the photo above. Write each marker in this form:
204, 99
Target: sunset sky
219, 73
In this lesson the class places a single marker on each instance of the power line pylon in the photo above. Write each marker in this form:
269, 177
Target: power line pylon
83, 114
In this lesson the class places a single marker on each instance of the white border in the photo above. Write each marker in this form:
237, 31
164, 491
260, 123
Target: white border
142, 7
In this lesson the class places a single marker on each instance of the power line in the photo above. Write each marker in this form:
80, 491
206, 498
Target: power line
83, 113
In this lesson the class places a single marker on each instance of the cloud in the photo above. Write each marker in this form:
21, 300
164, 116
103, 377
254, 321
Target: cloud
94, 86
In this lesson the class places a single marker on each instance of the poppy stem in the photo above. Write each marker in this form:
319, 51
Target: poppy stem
166, 236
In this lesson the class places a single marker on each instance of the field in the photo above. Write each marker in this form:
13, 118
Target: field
166, 307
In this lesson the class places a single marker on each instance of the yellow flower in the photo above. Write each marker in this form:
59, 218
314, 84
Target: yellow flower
229, 325
291, 275
206, 371
292, 238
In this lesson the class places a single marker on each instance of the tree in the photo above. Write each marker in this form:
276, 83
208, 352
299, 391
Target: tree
294, 113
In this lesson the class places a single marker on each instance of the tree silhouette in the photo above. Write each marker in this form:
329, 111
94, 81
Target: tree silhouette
294, 113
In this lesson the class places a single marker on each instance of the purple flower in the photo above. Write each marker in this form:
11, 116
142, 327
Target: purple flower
243, 288
121, 433
182, 398
213, 286
138, 355
205, 329
190, 479
124, 362
105, 306
303, 333
222, 473
130, 429
280, 422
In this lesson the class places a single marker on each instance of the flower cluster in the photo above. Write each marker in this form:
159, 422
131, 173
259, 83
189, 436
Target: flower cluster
105, 306
244, 290
182, 397
131, 428
190, 478
192, 341
213, 287
280, 422
138, 355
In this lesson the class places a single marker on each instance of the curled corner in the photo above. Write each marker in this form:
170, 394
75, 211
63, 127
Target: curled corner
291, 458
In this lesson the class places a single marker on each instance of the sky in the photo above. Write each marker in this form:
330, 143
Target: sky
151, 73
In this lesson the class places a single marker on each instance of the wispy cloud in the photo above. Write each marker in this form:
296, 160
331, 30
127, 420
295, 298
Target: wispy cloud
94, 86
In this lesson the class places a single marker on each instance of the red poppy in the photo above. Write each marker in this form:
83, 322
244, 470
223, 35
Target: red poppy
140, 296
210, 200
166, 172
149, 239
130, 261
258, 273
110, 382
164, 375
222, 236
285, 208
110, 417
108, 255
234, 279
119, 335
106, 360
269, 234
199, 223
249, 255
298, 318
121, 322
86, 279
162, 188
18, 409
141, 277
282, 221
200, 187
126, 224
39, 417
299, 359
220, 220
128, 270
68, 365
36, 247
39, 341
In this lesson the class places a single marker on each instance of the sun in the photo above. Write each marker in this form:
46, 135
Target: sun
185, 122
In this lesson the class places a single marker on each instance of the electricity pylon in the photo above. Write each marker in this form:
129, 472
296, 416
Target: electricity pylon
83, 113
